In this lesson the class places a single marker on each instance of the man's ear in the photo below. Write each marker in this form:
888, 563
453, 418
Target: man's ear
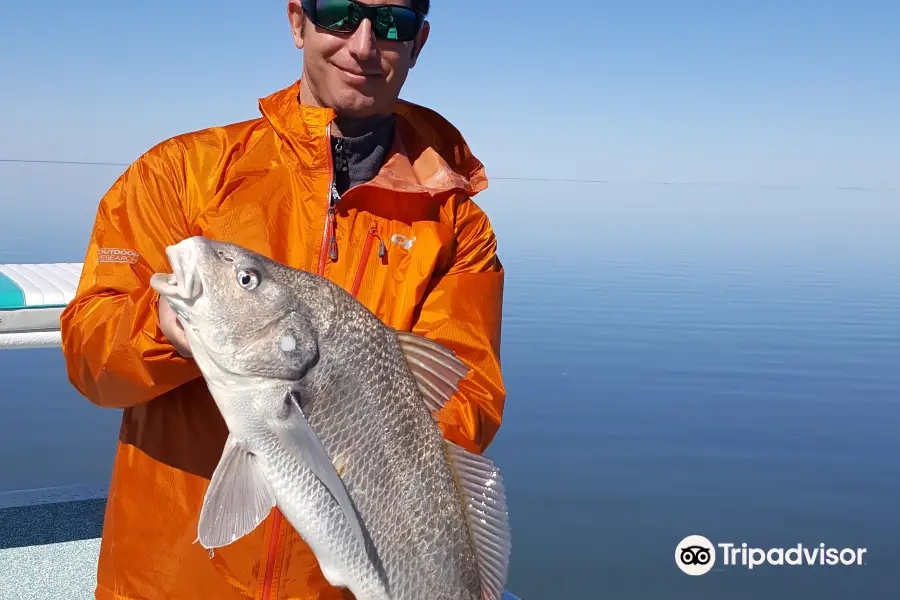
297, 20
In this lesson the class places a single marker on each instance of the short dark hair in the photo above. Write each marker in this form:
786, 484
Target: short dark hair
423, 6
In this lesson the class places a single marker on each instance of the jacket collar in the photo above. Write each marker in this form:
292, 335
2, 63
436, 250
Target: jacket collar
428, 155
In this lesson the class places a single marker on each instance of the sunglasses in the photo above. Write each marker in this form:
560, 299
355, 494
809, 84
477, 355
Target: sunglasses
390, 22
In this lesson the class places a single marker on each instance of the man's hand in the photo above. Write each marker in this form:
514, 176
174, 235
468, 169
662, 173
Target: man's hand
172, 329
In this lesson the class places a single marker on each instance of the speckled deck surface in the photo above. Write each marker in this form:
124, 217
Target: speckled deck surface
49, 551
62, 571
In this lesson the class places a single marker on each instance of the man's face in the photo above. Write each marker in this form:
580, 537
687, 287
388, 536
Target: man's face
356, 74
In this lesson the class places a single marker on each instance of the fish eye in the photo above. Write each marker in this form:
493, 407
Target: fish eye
248, 278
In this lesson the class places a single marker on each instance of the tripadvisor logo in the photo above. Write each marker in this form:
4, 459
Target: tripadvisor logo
696, 555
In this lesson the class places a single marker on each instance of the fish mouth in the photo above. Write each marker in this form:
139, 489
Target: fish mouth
165, 284
184, 282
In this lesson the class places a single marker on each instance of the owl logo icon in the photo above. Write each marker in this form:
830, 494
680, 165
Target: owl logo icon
695, 555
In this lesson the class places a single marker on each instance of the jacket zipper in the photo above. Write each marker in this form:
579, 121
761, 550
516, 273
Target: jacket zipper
273, 550
329, 249
367, 248
329, 233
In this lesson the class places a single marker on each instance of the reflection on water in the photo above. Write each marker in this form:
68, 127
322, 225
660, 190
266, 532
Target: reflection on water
679, 361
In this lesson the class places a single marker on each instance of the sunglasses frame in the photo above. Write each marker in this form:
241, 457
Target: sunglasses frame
369, 11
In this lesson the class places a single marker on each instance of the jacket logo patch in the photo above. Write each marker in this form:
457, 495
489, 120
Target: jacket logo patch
403, 241
117, 255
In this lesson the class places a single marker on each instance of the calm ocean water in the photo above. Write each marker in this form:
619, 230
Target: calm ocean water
720, 361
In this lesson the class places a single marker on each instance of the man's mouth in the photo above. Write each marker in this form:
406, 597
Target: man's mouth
360, 73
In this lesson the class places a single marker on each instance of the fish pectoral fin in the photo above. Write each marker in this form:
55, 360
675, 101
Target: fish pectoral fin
435, 368
238, 499
484, 501
296, 435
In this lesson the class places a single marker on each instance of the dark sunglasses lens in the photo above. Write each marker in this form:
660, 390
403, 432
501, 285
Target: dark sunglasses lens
337, 15
395, 23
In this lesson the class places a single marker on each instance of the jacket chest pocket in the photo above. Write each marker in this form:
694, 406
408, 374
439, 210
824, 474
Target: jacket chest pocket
399, 280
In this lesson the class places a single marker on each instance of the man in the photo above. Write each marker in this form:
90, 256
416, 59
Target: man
397, 228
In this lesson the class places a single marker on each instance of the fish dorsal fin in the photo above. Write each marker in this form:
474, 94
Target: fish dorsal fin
484, 501
436, 369
437, 372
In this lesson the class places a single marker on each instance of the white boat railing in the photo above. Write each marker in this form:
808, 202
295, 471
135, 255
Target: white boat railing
32, 297
19, 340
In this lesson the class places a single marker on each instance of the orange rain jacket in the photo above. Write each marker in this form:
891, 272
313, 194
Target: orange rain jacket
264, 184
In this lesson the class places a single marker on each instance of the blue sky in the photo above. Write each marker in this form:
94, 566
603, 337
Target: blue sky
799, 92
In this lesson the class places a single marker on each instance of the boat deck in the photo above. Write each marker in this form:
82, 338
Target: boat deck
50, 541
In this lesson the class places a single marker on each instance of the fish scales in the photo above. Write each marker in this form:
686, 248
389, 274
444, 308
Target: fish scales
358, 396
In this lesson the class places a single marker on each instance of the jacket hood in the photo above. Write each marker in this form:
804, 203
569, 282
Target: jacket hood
428, 156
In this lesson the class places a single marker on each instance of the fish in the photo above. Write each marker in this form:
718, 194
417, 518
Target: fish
332, 418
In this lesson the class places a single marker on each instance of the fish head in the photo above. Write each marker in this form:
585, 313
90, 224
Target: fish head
244, 314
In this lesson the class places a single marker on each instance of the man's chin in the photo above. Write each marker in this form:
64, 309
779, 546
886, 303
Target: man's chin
354, 104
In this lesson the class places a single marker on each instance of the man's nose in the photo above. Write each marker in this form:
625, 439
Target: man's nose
362, 42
